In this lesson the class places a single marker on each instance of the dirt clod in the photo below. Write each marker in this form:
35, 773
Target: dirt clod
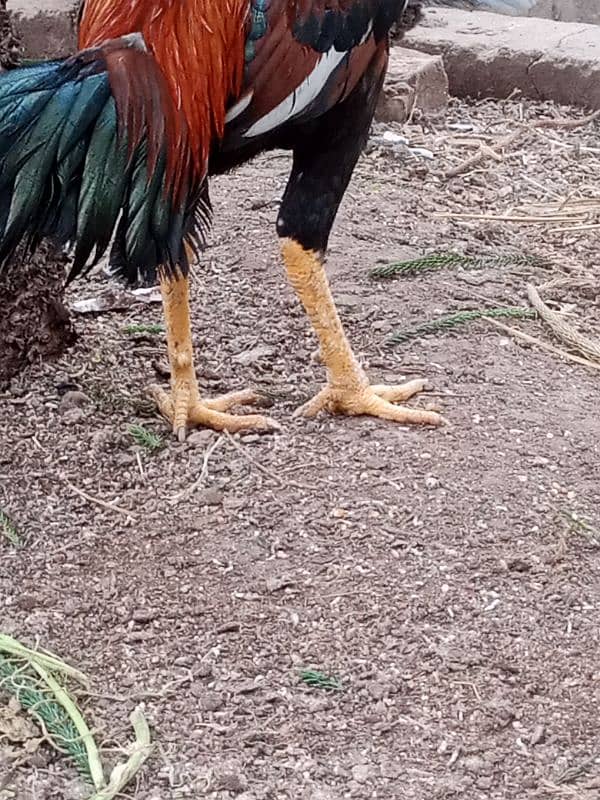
73, 400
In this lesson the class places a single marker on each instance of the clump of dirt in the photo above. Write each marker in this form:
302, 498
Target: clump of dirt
34, 323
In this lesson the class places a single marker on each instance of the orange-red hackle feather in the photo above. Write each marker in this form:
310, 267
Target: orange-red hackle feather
199, 46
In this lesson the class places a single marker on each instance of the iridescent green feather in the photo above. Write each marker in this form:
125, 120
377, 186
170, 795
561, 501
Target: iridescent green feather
72, 168
103, 185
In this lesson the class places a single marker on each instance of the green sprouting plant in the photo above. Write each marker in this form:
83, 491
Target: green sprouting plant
439, 261
579, 525
9, 530
145, 438
450, 321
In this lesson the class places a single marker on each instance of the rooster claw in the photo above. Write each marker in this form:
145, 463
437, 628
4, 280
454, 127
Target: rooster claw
184, 410
375, 401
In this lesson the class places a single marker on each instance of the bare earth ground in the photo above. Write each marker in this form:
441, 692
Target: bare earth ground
438, 574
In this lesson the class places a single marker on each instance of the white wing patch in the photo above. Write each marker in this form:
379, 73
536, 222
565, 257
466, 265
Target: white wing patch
239, 107
301, 97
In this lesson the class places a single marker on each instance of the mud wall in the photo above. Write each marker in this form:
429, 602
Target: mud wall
46, 27
568, 10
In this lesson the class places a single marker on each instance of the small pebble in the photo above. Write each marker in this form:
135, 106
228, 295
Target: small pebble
73, 400
144, 615
201, 438
538, 735
361, 773
209, 497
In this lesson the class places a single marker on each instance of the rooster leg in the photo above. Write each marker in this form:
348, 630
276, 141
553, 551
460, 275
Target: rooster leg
325, 154
183, 406
348, 390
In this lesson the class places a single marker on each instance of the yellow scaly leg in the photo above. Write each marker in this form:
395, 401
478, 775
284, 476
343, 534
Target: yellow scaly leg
348, 390
183, 406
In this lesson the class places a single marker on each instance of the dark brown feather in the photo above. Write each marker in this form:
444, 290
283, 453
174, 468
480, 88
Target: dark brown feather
298, 35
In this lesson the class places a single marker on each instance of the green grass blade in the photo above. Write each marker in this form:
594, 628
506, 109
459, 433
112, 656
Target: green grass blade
435, 261
46, 698
9, 530
320, 680
12, 647
94, 764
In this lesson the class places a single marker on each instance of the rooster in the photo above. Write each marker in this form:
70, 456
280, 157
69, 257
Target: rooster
116, 144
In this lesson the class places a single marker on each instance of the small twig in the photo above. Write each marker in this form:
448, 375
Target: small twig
565, 791
488, 151
102, 503
485, 151
565, 122
556, 142
544, 345
140, 465
137, 697
570, 282
526, 219
337, 595
592, 226
243, 452
471, 686
189, 490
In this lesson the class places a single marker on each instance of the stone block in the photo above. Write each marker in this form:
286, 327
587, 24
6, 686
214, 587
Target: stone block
414, 81
489, 55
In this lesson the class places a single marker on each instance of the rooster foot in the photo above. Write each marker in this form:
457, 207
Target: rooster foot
374, 401
184, 409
